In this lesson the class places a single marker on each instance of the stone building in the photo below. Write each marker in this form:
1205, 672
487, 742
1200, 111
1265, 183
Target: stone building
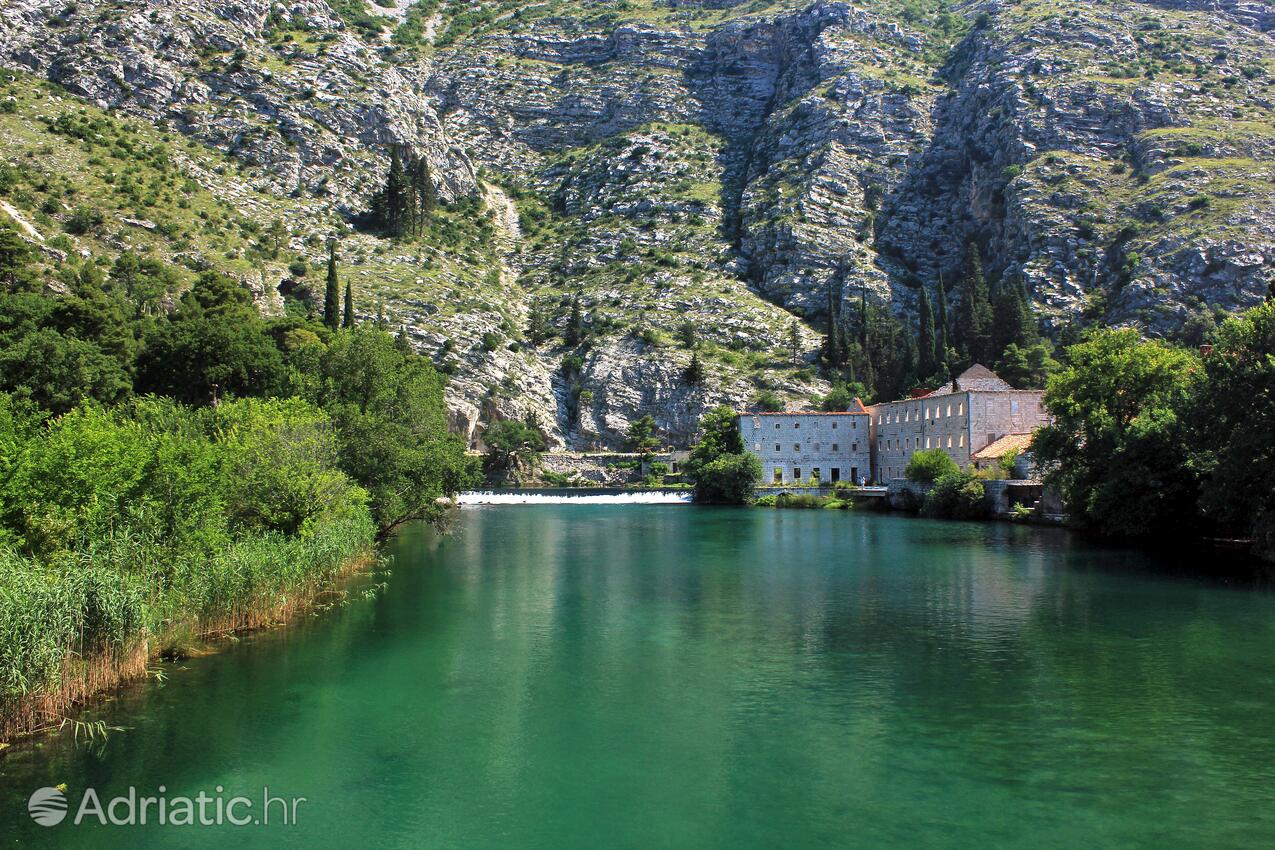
799, 447
962, 418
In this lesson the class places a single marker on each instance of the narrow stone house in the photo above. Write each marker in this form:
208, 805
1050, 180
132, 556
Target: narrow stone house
962, 418
799, 447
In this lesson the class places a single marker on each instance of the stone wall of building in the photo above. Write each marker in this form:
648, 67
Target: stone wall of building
977, 409
795, 447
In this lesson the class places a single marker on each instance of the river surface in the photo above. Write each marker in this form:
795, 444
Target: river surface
594, 676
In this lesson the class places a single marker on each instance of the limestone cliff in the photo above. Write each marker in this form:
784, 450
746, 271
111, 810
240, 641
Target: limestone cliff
674, 174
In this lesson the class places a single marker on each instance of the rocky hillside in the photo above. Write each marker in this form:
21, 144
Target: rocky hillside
627, 182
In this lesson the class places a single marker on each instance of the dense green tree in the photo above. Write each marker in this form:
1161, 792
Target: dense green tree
347, 319
943, 326
722, 470
955, 495
1117, 449
1232, 419
392, 424
511, 445
59, 372
215, 345
17, 261
1030, 367
1013, 321
332, 292
974, 311
276, 238
841, 397
930, 465
641, 435
695, 373
539, 324
793, 341
928, 351
144, 281
575, 324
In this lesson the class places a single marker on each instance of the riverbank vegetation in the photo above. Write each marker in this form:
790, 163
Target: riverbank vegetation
167, 476
1158, 442
720, 467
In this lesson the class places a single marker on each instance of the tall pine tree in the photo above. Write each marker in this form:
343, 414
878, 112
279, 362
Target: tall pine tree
974, 313
1014, 323
348, 319
423, 194
928, 359
575, 324
332, 295
943, 325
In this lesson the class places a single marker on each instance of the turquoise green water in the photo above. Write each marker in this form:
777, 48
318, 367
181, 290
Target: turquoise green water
595, 676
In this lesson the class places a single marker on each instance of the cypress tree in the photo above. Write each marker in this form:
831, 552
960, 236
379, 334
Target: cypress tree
943, 340
794, 342
695, 371
1014, 323
348, 319
833, 348
928, 359
396, 196
974, 313
575, 325
332, 295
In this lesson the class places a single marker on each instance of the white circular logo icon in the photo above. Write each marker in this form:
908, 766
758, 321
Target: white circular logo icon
47, 806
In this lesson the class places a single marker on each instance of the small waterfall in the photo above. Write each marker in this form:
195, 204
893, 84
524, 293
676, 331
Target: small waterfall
584, 497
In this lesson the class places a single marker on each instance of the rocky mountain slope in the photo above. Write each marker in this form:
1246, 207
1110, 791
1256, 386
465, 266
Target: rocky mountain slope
682, 174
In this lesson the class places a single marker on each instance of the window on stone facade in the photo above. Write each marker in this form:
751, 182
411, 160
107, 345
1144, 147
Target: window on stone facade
836, 474
854, 423
960, 409
834, 426
814, 473
836, 447
776, 426
779, 475
777, 447
816, 447
756, 447
961, 440
949, 441
927, 442
949, 408
796, 424
855, 447
796, 473
796, 447
1013, 406
927, 411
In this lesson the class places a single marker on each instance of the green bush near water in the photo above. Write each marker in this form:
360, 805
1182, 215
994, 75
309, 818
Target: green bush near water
955, 495
930, 465
151, 520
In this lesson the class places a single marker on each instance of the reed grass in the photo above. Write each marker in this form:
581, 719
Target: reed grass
68, 634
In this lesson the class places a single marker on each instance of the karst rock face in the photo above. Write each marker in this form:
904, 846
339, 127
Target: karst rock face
696, 176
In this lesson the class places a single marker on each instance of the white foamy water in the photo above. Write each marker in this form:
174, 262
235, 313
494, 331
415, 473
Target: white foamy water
648, 498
